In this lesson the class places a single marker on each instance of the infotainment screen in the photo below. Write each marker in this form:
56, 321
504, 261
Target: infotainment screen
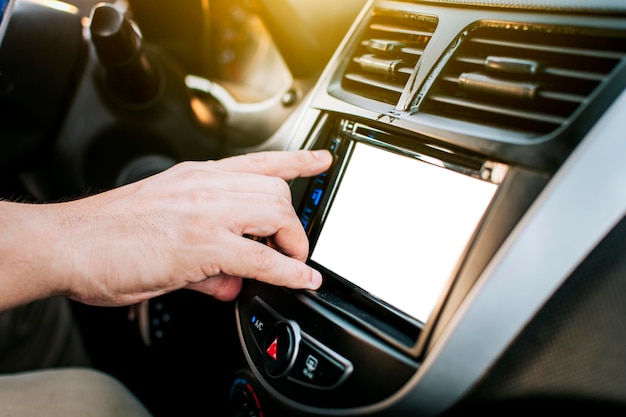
397, 225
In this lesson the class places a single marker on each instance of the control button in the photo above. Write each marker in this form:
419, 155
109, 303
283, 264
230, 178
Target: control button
334, 144
261, 322
316, 192
281, 348
315, 367
272, 350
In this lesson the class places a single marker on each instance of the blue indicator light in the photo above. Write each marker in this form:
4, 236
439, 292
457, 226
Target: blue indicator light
253, 319
238, 381
305, 218
316, 196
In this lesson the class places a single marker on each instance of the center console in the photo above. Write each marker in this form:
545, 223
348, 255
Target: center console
447, 126
391, 224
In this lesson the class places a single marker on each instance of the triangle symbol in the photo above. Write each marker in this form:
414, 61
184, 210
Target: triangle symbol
273, 349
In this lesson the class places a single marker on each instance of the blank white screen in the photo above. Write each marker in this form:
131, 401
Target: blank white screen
398, 226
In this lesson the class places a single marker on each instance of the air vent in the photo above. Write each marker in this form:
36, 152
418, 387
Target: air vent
522, 78
387, 53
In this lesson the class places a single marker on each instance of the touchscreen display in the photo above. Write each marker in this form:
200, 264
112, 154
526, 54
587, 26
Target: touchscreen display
398, 226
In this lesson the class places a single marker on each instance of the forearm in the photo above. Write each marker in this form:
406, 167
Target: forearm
94, 250
30, 264
182, 228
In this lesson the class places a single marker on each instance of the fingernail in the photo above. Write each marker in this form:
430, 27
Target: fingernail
316, 280
322, 155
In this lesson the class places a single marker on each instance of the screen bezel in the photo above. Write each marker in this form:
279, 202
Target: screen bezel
377, 315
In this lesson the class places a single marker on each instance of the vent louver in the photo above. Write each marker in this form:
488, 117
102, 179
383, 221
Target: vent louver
387, 53
521, 78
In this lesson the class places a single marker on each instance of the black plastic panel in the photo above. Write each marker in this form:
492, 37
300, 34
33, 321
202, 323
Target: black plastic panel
572, 354
359, 357
35, 85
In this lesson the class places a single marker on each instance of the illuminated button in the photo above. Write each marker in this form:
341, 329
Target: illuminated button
281, 348
317, 368
261, 322
316, 196
334, 145
272, 350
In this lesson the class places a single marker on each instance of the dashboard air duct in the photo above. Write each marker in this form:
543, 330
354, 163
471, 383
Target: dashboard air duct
387, 53
529, 79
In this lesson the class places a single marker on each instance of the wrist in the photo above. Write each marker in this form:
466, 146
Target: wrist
29, 253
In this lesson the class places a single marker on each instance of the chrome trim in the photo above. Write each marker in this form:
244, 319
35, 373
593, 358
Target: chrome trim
249, 120
599, 6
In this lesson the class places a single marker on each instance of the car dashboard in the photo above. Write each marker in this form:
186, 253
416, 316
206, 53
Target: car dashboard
470, 230
468, 140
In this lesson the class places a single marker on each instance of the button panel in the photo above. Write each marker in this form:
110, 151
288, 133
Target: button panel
317, 189
290, 353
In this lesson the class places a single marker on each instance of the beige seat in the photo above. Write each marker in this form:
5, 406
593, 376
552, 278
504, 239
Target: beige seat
65, 393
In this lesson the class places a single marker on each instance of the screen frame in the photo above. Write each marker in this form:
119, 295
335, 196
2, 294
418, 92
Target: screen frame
338, 293
412, 214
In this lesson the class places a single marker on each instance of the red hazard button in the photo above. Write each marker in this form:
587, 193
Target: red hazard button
273, 349
281, 345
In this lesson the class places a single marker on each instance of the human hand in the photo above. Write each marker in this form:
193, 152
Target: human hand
185, 228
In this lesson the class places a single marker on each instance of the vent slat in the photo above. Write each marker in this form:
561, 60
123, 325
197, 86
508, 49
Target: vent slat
529, 80
387, 54
561, 72
399, 29
583, 75
538, 117
373, 83
553, 95
592, 53
413, 51
556, 95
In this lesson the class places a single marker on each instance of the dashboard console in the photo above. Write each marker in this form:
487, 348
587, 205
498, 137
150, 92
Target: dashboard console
389, 224
470, 231
449, 127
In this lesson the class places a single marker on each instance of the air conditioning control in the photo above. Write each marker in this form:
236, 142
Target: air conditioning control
290, 353
262, 321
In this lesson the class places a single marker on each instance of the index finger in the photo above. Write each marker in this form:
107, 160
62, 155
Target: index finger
283, 164
253, 260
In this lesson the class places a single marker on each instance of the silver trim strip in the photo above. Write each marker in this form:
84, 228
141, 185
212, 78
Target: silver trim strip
565, 5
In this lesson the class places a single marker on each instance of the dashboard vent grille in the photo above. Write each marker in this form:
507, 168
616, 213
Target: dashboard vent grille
387, 53
528, 79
